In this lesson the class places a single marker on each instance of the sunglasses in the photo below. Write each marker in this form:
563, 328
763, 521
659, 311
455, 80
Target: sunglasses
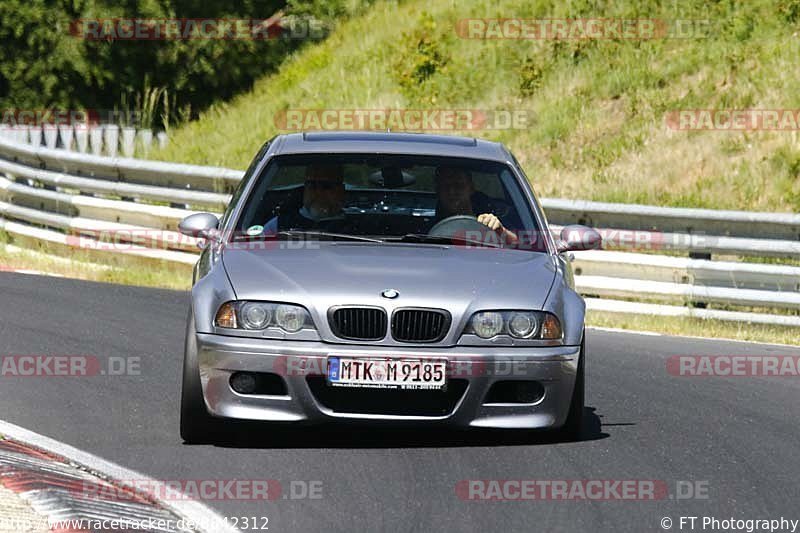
324, 185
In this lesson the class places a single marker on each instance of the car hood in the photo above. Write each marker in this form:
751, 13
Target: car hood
324, 274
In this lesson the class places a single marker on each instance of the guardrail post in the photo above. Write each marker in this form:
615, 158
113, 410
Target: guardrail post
50, 135
66, 134
24, 134
35, 133
128, 141
699, 255
82, 138
111, 139
145, 141
96, 139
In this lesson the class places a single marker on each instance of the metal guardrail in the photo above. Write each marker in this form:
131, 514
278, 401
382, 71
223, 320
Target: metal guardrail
35, 235
675, 219
47, 194
213, 179
153, 193
687, 271
640, 308
102, 209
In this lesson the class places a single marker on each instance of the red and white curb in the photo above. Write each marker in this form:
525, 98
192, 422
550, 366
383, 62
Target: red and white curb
51, 477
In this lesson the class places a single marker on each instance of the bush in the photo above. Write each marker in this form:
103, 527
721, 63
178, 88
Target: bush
44, 66
420, 57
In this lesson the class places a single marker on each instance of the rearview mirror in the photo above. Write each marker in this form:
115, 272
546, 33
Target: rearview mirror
577, 238
199, 225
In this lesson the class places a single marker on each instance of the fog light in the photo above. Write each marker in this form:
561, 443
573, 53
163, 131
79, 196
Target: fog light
521, 392
243, 383
528, 391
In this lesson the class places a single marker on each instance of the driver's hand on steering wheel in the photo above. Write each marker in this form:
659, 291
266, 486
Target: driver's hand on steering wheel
493, 223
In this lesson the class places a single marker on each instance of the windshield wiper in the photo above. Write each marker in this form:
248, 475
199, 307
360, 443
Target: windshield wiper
442, 239
330, 235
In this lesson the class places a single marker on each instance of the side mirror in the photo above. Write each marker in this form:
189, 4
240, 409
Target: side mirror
576, 238
200, 225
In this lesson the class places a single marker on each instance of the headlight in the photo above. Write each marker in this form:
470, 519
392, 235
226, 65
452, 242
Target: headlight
255, 315
522, 325
516, 324
290, 317
261, 315
487, 324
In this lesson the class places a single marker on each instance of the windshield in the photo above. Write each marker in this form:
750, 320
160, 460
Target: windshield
424, 199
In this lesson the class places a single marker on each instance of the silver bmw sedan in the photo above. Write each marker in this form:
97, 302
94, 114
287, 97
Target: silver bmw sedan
384, 278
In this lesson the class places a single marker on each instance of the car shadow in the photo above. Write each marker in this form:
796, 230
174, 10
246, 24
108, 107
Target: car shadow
254, 435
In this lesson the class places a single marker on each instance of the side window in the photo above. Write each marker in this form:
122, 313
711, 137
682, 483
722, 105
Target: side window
521, 212
237, 193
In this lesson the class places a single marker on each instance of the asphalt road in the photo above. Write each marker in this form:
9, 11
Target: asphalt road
738, 437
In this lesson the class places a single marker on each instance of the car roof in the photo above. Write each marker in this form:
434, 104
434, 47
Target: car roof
388, 143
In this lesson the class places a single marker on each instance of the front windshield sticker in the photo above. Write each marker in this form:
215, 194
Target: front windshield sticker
255, 230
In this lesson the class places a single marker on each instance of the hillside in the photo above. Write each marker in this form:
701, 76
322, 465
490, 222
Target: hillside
598, 129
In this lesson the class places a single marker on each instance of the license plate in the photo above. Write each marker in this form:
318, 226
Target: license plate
387, 373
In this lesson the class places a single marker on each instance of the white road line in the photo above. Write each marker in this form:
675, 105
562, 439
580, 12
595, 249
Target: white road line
631, 331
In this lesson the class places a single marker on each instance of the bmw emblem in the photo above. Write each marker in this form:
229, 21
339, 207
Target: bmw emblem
390, 293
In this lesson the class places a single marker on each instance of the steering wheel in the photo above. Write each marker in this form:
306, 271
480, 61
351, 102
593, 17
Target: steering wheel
457, 225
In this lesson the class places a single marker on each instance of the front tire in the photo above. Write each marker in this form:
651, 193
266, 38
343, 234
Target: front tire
197, 426
573, 427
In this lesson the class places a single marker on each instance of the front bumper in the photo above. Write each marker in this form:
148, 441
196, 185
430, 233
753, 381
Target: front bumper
302, 366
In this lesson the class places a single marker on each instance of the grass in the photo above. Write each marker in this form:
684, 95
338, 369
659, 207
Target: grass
81, 265
696, 327
598, 130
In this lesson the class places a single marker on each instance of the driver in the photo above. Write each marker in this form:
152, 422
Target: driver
457, 196
323, 200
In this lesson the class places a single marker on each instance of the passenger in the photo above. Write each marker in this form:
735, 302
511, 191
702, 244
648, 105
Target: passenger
323, 200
